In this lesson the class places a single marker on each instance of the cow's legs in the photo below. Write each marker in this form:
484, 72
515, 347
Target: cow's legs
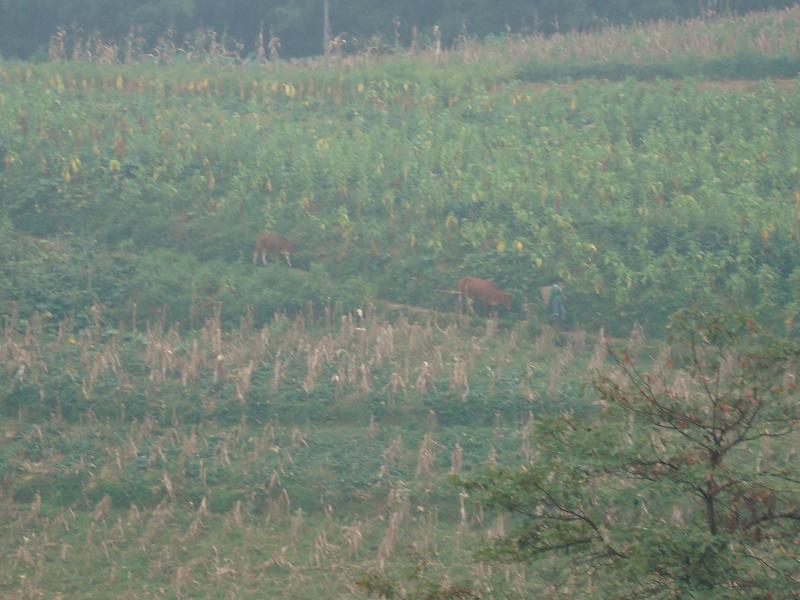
470, 305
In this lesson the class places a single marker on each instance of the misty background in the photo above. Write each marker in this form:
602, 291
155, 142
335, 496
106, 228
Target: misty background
26, 25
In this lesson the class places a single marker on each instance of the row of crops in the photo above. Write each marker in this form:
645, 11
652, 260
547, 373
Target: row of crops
128, 185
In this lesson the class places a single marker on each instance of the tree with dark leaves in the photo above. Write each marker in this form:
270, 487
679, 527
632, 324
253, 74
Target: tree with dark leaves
686, 484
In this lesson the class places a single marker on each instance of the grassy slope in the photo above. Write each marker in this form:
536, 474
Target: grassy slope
134, 463
639, 195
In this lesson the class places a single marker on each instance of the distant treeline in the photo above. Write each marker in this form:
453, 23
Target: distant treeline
26, 26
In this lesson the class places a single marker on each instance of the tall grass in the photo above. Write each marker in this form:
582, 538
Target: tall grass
235, 503
301, 366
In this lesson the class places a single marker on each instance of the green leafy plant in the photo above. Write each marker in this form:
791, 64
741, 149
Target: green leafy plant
683, 485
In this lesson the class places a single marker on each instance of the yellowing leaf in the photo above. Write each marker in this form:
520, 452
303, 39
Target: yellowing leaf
119, 83
501, 246
360, 88
518, 246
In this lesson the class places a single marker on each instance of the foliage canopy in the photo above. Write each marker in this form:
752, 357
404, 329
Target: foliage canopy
26, 26
686, 484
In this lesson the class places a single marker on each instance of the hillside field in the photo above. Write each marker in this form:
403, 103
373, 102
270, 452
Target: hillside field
178, 422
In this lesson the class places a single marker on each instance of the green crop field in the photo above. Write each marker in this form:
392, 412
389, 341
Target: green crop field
179, 422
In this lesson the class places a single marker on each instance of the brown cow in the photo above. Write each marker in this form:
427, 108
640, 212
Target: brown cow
481, 289
274, 244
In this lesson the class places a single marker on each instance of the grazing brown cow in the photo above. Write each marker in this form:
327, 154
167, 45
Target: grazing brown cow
274, 244
474, 288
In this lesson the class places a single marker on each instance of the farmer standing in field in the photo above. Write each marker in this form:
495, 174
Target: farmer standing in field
553, 296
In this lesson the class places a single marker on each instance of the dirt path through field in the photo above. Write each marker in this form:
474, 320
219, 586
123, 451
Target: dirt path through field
745, 85
722, 85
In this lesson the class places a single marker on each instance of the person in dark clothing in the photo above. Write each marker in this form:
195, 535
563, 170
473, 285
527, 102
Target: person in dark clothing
557, 309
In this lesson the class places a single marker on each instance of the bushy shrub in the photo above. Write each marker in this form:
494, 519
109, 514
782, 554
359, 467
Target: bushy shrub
60, 277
